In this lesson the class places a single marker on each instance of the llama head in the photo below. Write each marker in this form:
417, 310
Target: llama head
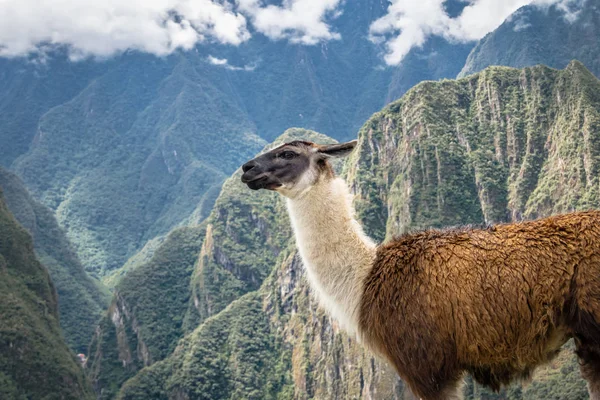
294, 167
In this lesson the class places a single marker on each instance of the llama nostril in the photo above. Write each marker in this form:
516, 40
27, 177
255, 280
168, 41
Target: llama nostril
248, 166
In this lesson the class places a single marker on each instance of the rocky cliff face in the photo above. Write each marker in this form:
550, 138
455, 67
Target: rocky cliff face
145, 320
502, 145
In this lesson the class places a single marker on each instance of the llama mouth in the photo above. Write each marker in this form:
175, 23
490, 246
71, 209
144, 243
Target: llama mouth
262, 182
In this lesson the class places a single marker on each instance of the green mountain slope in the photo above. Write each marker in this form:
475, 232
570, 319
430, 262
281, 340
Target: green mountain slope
81, 299
35, 362
205, 267
29, 89
132, 155
501, 145
145, 319
270, 343
542, 35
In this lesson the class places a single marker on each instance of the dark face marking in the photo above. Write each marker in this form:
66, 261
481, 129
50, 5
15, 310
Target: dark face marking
286, 165
281, 166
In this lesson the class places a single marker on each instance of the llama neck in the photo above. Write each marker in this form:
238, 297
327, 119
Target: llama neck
336, 253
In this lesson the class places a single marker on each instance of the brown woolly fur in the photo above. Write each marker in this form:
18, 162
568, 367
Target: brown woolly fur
493, 302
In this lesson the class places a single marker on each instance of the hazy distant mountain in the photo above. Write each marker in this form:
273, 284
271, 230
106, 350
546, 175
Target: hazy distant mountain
542, 35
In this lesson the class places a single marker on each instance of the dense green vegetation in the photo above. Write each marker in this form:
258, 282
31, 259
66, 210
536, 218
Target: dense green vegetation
145, 319
234, 355
81, 299
501, 145
542, 35
196, 272
35, 362
128, 158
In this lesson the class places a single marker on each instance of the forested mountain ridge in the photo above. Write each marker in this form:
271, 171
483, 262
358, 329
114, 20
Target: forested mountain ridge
35, 362
269, 343
81, 299
498, 146
501, 145
225, 262
145, 318
134, 153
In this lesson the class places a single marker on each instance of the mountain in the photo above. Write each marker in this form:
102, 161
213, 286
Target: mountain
144, 321
30, 88
195, 273
35, 362
546, 35
81, 300
128, 158
258, 345
501, 145
124, 149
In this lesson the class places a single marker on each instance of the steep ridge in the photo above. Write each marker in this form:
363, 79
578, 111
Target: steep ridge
145, 318
270, 343
194, 281
30, 88
548, 35
35, 362
81, 299
501, 145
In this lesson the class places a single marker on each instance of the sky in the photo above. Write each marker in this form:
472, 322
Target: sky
93, 28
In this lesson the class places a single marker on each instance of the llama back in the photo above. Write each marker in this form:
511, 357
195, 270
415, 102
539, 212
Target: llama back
505, 296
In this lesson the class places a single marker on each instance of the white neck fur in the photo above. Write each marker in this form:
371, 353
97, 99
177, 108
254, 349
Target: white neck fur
336, 252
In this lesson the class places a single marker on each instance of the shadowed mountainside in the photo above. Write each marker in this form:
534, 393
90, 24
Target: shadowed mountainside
81, 299
35, 362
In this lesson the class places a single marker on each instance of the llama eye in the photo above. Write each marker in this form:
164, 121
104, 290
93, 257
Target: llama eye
287, 155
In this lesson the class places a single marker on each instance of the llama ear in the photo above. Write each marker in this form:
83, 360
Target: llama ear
337, 150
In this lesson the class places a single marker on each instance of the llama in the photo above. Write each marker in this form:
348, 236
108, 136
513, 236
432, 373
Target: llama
494, 302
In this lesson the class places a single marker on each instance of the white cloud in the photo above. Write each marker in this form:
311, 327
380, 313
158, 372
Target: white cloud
217, 61
408, 23
102, 28
223, 62
300, 21
105, 27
